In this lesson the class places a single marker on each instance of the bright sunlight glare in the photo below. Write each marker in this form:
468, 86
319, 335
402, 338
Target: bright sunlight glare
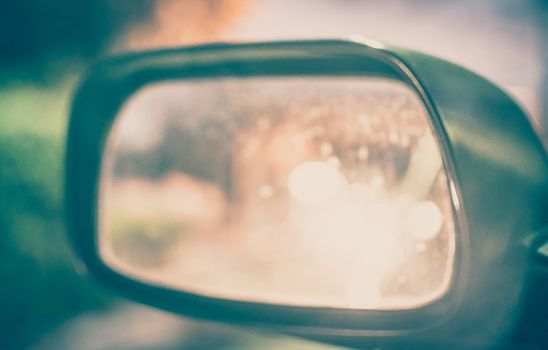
315, 183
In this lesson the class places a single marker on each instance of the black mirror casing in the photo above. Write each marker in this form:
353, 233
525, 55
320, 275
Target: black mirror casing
497, 172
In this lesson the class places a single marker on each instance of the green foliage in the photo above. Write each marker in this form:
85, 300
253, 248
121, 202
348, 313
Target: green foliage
39, 287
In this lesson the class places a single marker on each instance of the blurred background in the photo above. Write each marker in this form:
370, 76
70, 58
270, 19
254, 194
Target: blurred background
46, 300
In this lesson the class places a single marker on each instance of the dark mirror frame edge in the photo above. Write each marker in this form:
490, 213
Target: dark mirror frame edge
109, 83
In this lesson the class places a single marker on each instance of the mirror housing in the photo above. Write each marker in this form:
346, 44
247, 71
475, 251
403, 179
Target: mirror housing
496, 167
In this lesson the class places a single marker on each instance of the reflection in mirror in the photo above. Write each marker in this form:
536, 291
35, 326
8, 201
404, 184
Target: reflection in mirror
311, 191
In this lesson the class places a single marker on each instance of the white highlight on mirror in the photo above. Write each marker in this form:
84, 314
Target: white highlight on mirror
424, 220
315, 183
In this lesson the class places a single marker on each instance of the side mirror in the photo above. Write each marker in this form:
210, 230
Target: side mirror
338, 190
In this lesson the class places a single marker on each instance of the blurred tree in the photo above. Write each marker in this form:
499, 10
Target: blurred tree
34, 34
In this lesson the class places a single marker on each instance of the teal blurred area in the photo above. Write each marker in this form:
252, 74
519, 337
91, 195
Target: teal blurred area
39, 288
47, 301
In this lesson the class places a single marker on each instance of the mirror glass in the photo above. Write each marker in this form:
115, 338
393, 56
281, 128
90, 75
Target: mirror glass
310, 191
